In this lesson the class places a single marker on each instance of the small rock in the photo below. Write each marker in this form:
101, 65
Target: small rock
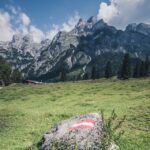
82, 132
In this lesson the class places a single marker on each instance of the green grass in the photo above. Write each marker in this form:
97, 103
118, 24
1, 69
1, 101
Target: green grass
28, 111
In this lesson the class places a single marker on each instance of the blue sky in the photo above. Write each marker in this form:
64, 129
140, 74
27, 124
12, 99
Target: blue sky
44, 13
43, 19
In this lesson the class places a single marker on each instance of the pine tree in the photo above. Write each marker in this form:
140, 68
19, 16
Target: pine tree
79, 77
136, 72
125, 69
63, 76
142, 69
97, 74
5, 72
16, 76
93, 73
147, 67
85, 76
108, 70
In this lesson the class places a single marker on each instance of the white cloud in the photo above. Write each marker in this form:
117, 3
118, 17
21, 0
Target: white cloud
70, 24
66, 26
117, 12
15, 21
22, 25
36, 33
24, 19
107, 12
6, 30
122, 12
13, 9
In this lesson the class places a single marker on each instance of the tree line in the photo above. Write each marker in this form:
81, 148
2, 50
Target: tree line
7, 74
140, 69
126, 70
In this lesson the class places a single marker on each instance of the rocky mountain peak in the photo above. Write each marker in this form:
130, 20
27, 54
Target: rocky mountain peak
28, 39
19, 40
92, 20
144, 28
81, 23
99, 25
139, 28
84, 27
131, 27
46, 41
16, 38
91, 41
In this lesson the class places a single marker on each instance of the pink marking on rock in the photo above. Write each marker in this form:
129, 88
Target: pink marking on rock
88, 123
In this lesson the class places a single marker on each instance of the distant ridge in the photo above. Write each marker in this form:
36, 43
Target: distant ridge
90, 43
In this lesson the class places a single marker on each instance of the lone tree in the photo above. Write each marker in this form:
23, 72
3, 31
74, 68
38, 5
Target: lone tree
147, 67
136, 71
93, 73
126, 67
108, 70
63, 76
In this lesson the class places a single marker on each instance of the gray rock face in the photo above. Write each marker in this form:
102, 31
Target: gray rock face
90, 42
22, 53
140, 28
83, 132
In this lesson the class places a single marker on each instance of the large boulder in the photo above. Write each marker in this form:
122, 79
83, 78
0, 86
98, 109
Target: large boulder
78, 133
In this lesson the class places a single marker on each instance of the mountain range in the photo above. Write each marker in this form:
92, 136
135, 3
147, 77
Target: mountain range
92, 42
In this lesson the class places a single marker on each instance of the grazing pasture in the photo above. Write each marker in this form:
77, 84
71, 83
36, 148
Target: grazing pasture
27, 111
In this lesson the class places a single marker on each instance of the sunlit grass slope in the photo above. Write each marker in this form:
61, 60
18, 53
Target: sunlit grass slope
27, 111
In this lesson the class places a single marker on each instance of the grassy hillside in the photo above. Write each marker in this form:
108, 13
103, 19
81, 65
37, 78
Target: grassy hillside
27, 111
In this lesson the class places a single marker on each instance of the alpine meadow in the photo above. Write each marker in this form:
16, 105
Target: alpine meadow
75, 75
